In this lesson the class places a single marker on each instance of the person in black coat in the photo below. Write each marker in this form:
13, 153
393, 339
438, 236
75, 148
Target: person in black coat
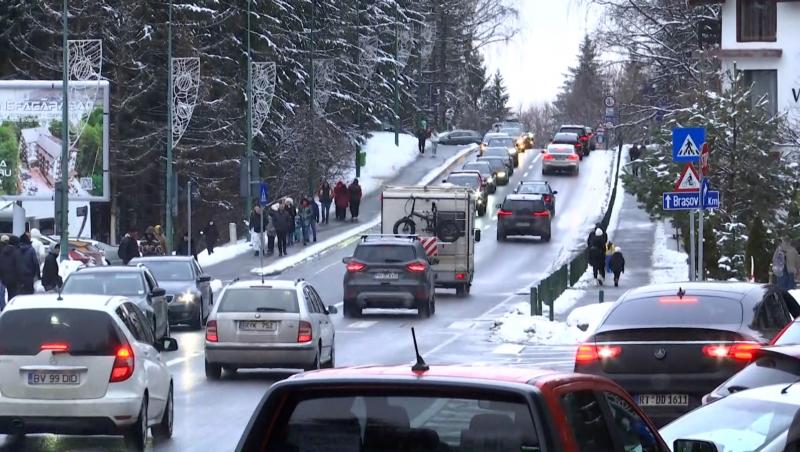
591, 239
8, 266
51, 280
28, 265
617, 265
184, 248
597, 255
283, 225
128, 248
212, 236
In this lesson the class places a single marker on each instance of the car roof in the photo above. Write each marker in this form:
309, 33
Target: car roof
534, 182
566, 134
571, 126
524, 197
268, 284
474, 162
736, 290
462, 172
163, 258
77, 301
498, 374
367, 240
496, 148
110, 269
792, 351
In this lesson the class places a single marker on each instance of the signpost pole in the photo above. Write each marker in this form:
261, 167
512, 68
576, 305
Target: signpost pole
189, 215
63, 219
248, 152
692, 244
169, 187
396, 75
700, 270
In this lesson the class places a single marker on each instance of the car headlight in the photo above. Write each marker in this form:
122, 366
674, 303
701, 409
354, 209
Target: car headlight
187, 297
490, 179
501, 174
512, 151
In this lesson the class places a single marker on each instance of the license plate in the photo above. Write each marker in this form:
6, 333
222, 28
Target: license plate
524, 225
258, 325
561, 157
386, 276
663, 400
54, 378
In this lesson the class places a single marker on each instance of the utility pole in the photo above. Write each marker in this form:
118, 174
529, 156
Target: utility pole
64, 214
170, 176
311, 96
249, 120
358, 61
396, 74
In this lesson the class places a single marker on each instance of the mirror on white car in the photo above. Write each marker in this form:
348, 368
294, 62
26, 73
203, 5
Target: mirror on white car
693, 445
166, 344
333, 309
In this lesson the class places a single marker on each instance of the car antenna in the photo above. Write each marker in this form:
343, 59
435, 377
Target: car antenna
420, 365
59, 292
681, 292
786, 389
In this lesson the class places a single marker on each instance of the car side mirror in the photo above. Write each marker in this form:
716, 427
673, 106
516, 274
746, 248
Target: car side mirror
166, 344
477, 235
158, 292
347, 260
542, 151
204, 279
332, 309
693, 445
555, 192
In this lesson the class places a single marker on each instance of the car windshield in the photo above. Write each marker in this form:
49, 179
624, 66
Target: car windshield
496, 164
512, 131
105, 283
500, 142
483, 168
671, 311
83, 331
464, 181
169, 270
385, 253
791, 336
766, 370
368, 420
533, 189
258, 299
736, 424
523, 204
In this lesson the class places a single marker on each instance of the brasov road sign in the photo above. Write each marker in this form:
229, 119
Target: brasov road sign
689, 200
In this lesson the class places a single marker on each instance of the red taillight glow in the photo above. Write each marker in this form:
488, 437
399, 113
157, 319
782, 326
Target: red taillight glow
573, 157
354, 267
584, 138
587, 352
304, 333
211, 331
742, 351
504, 213
123, 364
547, 198
545, 213
461, 276
55, 347
416, 267
548, 157
677, 300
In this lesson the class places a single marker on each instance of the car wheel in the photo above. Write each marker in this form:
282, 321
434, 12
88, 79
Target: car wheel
425, 309
351, 311
546, 237
197, 322
316, 365
331, 362
544, 171
136, 435
163, 430
501, 236
213, 371
433, 303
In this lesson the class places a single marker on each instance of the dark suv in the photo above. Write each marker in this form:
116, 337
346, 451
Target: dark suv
539, 187
585, 135
523, 215
388, 272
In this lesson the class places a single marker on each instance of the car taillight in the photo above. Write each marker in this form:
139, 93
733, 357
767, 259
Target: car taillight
548, 157
354, 267
545, 213
573, 157
589, 352
577, 145
211, 331
461, 276
54, 347
123, 364
547, 198
584, 138
741, 351
504, 213
416, 267
304, 333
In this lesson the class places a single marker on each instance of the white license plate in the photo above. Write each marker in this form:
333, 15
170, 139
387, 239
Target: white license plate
663, 400
523, 225
54, 378
258, 325
386, 276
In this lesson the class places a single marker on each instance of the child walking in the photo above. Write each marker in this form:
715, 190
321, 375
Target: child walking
617, 265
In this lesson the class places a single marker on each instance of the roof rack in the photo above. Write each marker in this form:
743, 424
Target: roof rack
366, 237
298, 281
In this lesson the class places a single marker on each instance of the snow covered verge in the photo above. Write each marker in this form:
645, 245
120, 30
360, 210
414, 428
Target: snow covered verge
518, 327
384, 159
668, 265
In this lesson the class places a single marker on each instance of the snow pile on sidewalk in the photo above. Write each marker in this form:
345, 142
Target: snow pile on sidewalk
384, 159
223, 253
668, 265
520, 328
586, 318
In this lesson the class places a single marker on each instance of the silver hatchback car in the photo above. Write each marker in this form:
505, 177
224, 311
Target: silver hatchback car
271, 324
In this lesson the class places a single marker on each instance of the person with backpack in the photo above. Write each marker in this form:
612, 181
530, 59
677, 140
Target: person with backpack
785, 264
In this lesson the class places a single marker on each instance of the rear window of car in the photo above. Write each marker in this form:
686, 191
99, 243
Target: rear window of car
496, 164
385, 253
579, 130
560, 149
536, 205
791, 336
345, 421
483, 168
464, 181
671, 311
496, 152
533, 189
500, 142
105, 283
83, 331
170, 270
258, 299
567, 138
766, 370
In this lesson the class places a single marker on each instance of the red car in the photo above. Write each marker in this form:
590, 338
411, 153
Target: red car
448, 409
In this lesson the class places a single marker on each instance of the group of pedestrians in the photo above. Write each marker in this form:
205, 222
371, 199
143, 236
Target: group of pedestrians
344, 196
604, 256
20, 266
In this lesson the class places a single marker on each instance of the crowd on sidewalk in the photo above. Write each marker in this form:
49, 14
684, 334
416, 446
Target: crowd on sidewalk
285, 224
27, 266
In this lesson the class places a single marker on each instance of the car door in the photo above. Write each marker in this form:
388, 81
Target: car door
630, 427
316, 318
204, 287
328, 332
584, 420
155, 368
159, 305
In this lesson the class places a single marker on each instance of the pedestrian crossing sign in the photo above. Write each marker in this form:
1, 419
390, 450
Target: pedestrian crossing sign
689, 180
687, 143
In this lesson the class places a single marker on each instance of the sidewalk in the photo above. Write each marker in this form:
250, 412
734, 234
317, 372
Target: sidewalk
240, 259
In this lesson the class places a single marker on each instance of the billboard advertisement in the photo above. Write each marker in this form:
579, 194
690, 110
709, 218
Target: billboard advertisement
31, 140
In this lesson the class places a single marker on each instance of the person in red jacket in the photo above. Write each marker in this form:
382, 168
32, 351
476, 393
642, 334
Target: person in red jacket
341, 198
355, 199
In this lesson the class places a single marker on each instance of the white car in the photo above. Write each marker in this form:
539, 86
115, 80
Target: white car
83, 365
274, 324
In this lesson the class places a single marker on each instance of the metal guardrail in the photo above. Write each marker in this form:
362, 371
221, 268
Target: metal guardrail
566, 276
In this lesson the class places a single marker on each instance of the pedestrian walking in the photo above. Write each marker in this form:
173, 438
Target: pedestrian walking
634, 154
51, 280
609, 252
325, 194
341, 198
185, 248
162, 239
128, 247
434, 143
422, 135
28, 264
3, 243
297, 229
282, 228
37, 241
354, 190
211, 234
151, 244
290, 207
269, 221
592, 234
9, 272
617, 265
306, 218
256, 234
317, 219
597, 257
785, 265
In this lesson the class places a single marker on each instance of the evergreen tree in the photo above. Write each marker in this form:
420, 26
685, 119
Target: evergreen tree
495, 100
758, 252
581, 97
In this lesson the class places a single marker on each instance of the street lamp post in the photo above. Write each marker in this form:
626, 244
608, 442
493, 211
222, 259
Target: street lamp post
170, 176
396, 74
311, 96
249, 115
64, 217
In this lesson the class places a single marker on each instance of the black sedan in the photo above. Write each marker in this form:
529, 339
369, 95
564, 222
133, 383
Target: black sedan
460, 137
670, 344
501, 152
499, 169
487, 173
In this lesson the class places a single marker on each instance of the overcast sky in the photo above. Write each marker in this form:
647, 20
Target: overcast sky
533, 64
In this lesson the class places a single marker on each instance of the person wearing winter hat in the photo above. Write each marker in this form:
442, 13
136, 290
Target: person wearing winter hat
617, 265
597, 256
28, 265
38, 244
50, 278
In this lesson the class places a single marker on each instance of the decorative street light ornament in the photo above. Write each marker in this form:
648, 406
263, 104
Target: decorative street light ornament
263, 92
323, 82
404, 43
427, 39
186, 82
85, 58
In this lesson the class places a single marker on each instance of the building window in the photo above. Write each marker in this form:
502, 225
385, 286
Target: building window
757, 20
763, 83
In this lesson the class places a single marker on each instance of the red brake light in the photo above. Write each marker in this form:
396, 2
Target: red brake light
573, 157
588, 352
354, 267
548, 156
742, 351
55, 347
504, 213
123, 364
304, 333
677, 300
416, 267
461, 276
547, 198
545, 213
211, 331
584, 138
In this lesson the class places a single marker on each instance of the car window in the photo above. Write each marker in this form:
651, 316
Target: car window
130, 322
577, 130
500, 142
516, 205
317, 300
568, 138
496, 152
673, 311
151, 281
481, 167
560, 149
771, 313
537, 189
764, 371
791, 336
311, 306
464, 180
170, 270
143, 323
632, 429
85, 332
258, 299
587, 422
105, 283
197, 269
346, 421
385, 253
496, 164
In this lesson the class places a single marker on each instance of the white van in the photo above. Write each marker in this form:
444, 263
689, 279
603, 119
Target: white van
444, 220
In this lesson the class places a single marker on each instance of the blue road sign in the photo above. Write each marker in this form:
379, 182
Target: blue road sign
264, 199
687, 144
711, 200
689, 200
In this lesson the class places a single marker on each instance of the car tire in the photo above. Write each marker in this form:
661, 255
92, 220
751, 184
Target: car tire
331, 363
163, 431
136, 434
350, 311
197, 323
546, 237
433, 303
316, 365
425, 309
500, 236
544, 171
213, 371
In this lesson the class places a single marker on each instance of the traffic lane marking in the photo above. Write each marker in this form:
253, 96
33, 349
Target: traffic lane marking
175, 361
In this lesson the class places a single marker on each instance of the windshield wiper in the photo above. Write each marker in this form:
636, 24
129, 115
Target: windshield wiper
265, 309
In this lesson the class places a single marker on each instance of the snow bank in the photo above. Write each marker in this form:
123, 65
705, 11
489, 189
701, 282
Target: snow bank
520, 328
223, 253
586, 318
668, 265
384, 159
